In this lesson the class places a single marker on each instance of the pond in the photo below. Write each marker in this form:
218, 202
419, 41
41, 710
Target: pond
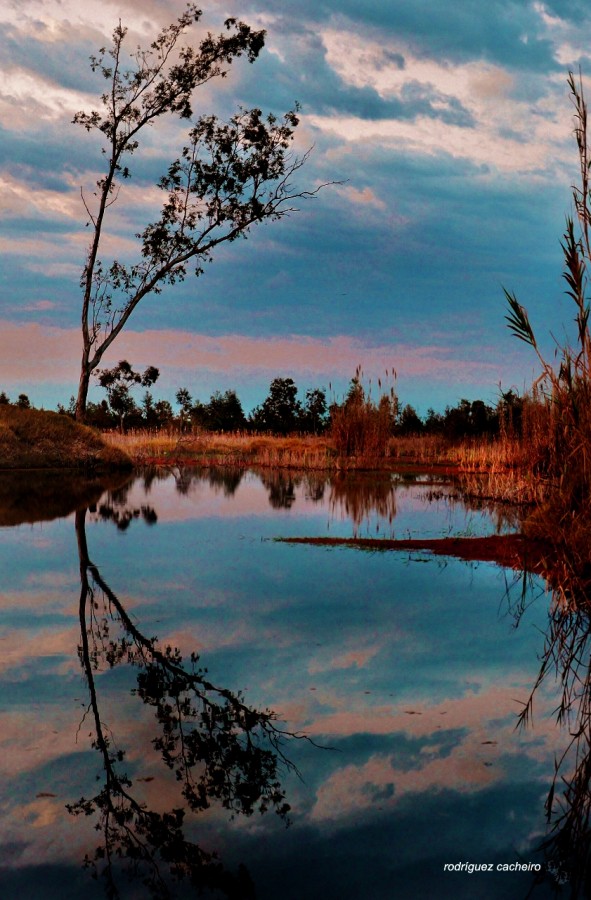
394, 680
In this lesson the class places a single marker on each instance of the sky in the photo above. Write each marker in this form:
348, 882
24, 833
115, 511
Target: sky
446, 129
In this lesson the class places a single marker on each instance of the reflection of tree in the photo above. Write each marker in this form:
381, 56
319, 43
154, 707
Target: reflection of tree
226, 478
281, 486
314, 486
219, 749
123, 516
361, 495
505, 516
567, 654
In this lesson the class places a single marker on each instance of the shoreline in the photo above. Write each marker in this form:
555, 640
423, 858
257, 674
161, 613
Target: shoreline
512, 551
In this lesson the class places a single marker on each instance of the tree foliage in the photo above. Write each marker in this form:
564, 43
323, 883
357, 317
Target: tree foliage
118, 383
280, 412
228, 175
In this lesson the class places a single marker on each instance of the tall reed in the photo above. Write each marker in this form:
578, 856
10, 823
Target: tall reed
561, 436
361, 428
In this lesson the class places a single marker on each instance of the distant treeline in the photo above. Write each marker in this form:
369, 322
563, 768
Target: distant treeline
282, 411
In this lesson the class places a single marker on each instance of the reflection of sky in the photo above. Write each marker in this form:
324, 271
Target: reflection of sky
411, 669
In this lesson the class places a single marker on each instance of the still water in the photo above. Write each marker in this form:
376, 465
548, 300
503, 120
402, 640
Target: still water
405, 672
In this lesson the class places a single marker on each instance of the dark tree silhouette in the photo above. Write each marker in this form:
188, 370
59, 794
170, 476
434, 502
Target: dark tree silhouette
228, 176
280, 412
118, 383
224, 412
314, 412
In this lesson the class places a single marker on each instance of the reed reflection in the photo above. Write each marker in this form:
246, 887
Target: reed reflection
360, 496
220, 750
567, 656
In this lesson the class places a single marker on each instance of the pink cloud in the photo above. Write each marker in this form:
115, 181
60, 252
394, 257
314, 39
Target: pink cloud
30, 352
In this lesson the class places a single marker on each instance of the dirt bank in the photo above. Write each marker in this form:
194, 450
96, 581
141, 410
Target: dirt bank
513, 551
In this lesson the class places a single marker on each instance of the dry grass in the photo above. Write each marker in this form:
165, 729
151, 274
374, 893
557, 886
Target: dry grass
298, 452
207, 448
35, 439
500, 465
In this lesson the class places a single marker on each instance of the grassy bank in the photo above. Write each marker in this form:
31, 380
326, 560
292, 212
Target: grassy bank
297, 452
498, 469
36, 439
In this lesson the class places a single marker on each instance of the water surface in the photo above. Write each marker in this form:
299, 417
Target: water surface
406, 671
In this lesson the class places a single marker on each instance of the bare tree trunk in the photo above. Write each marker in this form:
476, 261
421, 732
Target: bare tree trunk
83, 390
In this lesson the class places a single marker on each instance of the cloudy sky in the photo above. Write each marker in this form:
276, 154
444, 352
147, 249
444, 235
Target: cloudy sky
449, 128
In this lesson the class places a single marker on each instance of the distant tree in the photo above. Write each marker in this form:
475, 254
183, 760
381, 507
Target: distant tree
433, 422
228, 177
355, 394
184, 400
409, 421
23, 402
314, 413
4, 401
280, 412
164, 413
224, 412
99, 415
510, 409
148, 410
199, 414
469, 419
482, 418
118, 383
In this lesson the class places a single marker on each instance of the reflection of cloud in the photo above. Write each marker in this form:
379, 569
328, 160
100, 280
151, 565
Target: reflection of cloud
18, 648
485, 724
474, 710
353, 789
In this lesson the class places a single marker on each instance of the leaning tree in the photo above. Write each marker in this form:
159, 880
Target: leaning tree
228, 176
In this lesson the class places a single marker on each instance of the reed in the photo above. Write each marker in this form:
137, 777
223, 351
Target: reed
560, 430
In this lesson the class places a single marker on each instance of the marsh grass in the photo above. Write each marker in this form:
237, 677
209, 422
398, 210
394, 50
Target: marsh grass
227, 449
560, 454
499, 468
296, 451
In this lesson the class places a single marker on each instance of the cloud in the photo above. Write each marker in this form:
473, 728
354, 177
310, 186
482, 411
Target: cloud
235, 353
503, 31
362, 197
448, 126
481, 118
40, 306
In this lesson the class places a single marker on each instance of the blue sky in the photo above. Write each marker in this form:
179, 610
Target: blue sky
449, 127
